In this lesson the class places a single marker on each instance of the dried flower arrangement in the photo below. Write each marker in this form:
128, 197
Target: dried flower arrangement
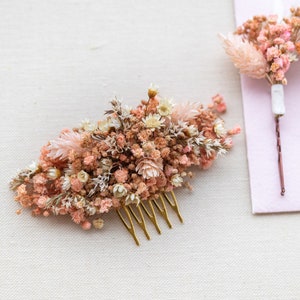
265, 47
131, 161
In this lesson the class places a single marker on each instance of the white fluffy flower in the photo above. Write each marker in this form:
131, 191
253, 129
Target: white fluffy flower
98, 223
192, 130
87, 125
132, 199
83, 176
176, 180
119, 190
33, 167
165, 107
66, 183
153, 121
219, 128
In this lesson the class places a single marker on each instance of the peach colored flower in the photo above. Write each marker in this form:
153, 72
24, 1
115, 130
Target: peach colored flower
86, 225
165, 152
89, 160
121, 140
41, 202
155, 154
121, 175
105, 205
245, 56
183, 160
137, 151
78, 216
39, 182
76, 185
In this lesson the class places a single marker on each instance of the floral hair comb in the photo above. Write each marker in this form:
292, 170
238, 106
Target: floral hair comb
264, 47
129, 162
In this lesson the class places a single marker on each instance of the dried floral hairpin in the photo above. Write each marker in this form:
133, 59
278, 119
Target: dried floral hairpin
130, 162
264, 47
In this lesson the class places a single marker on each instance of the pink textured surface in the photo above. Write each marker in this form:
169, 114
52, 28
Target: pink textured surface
260, 127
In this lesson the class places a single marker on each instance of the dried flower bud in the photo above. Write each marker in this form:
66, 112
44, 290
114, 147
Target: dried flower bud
176, 180
53, 173
152, 90
119, 190
83, 176
98, 223
132, 199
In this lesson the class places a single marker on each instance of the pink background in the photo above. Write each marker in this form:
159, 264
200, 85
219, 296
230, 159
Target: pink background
260, 127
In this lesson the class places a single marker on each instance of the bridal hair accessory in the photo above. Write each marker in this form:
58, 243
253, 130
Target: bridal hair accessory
130, 162
264, 47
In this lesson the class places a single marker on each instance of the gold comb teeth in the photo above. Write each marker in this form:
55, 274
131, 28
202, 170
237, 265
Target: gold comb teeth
135, 212
130, 162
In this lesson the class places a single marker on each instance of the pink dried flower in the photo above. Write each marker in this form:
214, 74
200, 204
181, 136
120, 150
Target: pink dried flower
91, 170
89, 160
76, 185
78, 216
245, 56
42, 200
121, 175
86, 225
185, 111
105, 205
67, 141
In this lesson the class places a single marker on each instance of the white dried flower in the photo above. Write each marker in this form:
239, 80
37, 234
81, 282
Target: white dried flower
90, 210
104, 125
119, 190
98, 223
176, 180
87, 125
165, 107
79, 202
114, 122
106, 164
148, 168
83, 176
132, 199
219, 128
153, 121
192, 131
66, 183
33, 167
53, 173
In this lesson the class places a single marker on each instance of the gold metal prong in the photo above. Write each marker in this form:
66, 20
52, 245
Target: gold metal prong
162, 209
174, 204
151, 215
140, 220
130, 226
137, 213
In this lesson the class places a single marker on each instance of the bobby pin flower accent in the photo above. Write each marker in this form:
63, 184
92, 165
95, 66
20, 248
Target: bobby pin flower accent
265, 47
130, 162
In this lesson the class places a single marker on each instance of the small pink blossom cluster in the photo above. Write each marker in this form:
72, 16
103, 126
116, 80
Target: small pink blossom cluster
268, 45
131, 156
